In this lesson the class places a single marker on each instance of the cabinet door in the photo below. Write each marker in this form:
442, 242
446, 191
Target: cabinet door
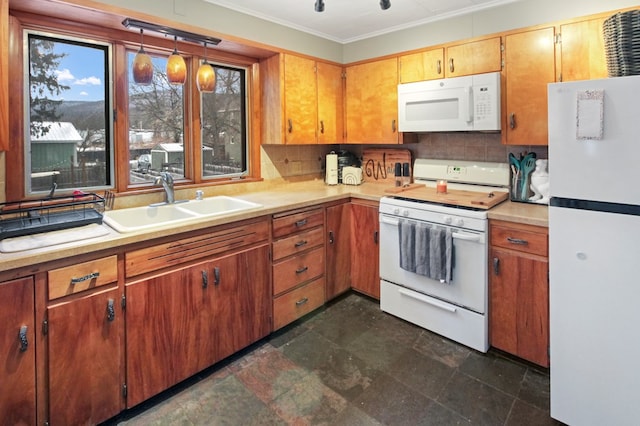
301, 109
240, 307
519, 305
17, 353
427, 65
372, 102
581, 50
529, 67
338, 250
330, 103
163, 337
365, 256
85, 359
474, 57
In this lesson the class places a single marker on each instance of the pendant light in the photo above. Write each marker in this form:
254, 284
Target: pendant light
206, 78
176, 66
142, 65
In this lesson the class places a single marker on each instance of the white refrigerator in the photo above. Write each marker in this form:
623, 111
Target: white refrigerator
594, 251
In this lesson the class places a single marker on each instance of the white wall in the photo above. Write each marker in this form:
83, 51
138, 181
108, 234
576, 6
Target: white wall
515, 15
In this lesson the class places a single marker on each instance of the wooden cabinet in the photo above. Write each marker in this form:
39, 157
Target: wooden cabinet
474, 57
184, 319
4, 73
529, 67
371, 98
302, 101
338, 243
365, 257
581, 52
17, 352
85, 336
298, 264
519, 290
426, 65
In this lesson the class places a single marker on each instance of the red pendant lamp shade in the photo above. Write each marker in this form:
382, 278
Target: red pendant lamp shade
142, 66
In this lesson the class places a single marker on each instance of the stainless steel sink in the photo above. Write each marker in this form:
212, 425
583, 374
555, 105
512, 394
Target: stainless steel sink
149, 217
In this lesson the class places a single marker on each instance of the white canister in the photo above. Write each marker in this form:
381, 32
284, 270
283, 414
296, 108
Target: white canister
331, 168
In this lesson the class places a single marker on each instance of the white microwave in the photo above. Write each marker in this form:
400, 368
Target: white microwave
469, 103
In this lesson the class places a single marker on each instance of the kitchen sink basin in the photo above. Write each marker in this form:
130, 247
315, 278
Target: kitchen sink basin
149, 217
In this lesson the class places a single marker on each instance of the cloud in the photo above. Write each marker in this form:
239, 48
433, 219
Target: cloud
83, 93
64, 75
88, 81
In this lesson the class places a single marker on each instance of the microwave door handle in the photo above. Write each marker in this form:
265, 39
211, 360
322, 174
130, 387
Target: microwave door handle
468, 111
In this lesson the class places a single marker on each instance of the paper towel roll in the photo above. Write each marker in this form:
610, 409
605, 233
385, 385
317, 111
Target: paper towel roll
331, 177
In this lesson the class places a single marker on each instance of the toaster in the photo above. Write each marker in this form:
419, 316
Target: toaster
351, 175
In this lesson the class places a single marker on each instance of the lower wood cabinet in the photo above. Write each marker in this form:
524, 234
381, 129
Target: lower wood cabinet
181, 322
519, 291
338, 247
365, 248
17, 352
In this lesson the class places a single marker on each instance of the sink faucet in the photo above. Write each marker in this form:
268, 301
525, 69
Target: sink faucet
166, 180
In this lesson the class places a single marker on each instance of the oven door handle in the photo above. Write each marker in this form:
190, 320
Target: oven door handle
467, 237
389, 221
428, 301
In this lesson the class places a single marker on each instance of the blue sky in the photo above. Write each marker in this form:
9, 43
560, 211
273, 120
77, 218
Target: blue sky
82, 69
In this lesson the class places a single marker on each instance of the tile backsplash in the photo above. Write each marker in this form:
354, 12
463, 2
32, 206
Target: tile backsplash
282, 161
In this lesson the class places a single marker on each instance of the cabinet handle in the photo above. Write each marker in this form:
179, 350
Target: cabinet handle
451, 67
322, 126
331, 240
216, 276
205, 279
393, 126
302, 301
301, 243
85, 278
439, 66
22, 336
289, 126
512, 120
300, 223
496, 266
302, 270
517, 241
375, 237
111, 311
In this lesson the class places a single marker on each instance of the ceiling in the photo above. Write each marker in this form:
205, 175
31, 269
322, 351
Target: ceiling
346, 21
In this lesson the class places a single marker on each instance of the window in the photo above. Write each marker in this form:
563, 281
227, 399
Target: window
67, 114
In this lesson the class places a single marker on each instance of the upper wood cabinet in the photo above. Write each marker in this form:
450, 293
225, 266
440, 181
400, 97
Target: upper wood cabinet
581, 52
474, 57
372, 102
529, 67
302, 101
427, 65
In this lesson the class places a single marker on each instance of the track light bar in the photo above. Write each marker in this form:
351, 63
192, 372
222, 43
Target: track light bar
385, 4
319, 6
184, 35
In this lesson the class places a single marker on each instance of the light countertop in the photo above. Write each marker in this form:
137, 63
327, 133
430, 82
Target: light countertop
274, 198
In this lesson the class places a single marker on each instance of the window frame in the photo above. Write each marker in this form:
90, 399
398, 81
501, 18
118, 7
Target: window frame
122, 40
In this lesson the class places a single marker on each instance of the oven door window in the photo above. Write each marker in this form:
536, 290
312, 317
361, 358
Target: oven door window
468, 286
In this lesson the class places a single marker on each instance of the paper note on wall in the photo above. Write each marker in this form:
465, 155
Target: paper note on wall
590, 115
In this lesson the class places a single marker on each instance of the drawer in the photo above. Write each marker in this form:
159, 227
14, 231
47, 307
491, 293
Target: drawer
296, 270
524, 240
297, 303
297, 243
83, 276
290, 223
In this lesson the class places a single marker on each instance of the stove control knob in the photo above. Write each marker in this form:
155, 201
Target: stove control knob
405, 213
448, 220
459, 222
396, 211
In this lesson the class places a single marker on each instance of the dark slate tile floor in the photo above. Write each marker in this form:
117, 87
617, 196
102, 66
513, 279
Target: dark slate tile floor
349, 363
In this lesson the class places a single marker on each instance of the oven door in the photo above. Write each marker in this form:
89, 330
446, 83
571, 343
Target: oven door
468, 287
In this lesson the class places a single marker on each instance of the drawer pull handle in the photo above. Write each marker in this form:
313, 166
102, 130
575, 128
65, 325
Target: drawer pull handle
429, 301
85, 278
496, 266
452, 68
439, 66
205, 279
322, 127
290, 125
24, 342
302, 270
111, 311
517, 241
301, 243
331, 239
300, 223
512, 120
302, 301
216, 276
